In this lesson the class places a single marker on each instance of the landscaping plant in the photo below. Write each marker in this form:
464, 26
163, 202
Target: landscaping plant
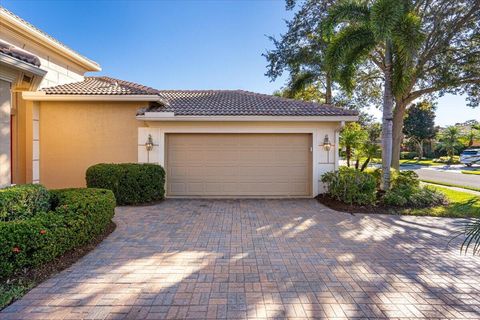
23, 201
131, 183
351, 186
76, 217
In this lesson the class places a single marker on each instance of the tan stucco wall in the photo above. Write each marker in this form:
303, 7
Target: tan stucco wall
76, 135
59, 69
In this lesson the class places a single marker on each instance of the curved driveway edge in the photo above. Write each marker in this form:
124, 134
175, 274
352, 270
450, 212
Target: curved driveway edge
259, 259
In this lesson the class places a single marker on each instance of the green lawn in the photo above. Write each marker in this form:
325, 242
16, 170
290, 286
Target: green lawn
461, 205
451, 185
423, 162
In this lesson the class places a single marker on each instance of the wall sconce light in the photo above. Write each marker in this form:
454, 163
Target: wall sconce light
149, 143
327, 145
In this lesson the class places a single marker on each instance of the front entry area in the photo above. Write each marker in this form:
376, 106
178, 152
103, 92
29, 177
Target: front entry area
238, 165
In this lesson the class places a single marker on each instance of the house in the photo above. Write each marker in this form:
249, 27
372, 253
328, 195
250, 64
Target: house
214, 143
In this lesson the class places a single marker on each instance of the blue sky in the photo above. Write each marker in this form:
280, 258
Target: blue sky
181, 44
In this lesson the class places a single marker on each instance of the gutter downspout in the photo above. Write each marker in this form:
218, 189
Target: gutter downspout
337, 144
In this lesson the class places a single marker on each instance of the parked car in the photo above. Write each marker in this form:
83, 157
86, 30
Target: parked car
470, 157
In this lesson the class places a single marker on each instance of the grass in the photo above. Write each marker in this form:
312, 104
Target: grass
476, 172
446, 184
423, 162
461, 205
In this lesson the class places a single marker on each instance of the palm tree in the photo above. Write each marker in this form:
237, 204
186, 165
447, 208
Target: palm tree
384, 32
450, 141
352, 137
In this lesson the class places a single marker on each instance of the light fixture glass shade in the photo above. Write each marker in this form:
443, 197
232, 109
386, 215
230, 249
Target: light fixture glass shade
149, 143
327, 145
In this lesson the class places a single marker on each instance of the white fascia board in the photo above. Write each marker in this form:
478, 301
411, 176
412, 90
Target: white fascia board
35, 34
22, 65
42, 96
149, 117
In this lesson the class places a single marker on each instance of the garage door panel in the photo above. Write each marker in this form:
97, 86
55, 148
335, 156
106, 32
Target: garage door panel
238, 164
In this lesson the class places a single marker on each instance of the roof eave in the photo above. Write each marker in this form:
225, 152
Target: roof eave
42, 96
33, 34
149, 116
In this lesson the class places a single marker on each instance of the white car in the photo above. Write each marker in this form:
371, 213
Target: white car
470, 156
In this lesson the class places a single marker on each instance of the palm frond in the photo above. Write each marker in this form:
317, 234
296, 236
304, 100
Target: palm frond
407, 36
472, 236
346, 49
352, 11
300, 81
352, 59
385, 16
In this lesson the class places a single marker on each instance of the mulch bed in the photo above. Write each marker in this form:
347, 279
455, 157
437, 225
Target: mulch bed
334, 204
45, 271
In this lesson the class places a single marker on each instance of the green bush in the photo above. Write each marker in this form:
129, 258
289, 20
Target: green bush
408, 155
447, 160
23, 201
131, 183
406, 191
77, 216
351, 186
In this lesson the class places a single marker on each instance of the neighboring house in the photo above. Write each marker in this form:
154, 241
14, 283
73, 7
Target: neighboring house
215, 143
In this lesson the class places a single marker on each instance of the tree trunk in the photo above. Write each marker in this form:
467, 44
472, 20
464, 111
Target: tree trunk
398, 118
420, 149
357, 163
328, 88
387, 119
348, 154
365, 164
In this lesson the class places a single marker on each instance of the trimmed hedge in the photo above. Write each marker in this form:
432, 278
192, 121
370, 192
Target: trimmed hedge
131, 183
78, 216
23, 201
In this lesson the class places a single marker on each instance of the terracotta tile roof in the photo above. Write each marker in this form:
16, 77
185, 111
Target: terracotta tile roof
202, 102
240, 103
17, 53
101, 86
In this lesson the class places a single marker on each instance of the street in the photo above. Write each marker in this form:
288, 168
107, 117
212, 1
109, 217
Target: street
446, 175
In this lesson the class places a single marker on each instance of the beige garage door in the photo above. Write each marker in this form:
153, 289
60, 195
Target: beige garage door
238, 164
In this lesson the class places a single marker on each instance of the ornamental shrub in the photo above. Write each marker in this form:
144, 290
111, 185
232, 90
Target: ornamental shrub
23, 201
131, 183
408, 155
351, 186
448, 160
77, 217
406, 191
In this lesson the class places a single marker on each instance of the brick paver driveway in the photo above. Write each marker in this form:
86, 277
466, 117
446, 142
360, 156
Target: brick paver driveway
263, 258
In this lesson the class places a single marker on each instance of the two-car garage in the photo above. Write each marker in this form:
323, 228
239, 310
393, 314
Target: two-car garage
225, 165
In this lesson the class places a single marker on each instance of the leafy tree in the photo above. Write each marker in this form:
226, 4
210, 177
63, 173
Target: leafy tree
370, 148
420, 124
363, 30
471, 132
301, 53
309, 93
449, 141
352, 137
447, 60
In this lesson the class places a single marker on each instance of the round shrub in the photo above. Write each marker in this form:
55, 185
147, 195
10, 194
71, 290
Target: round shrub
77, 217
131, 183
351, 186
23, 201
